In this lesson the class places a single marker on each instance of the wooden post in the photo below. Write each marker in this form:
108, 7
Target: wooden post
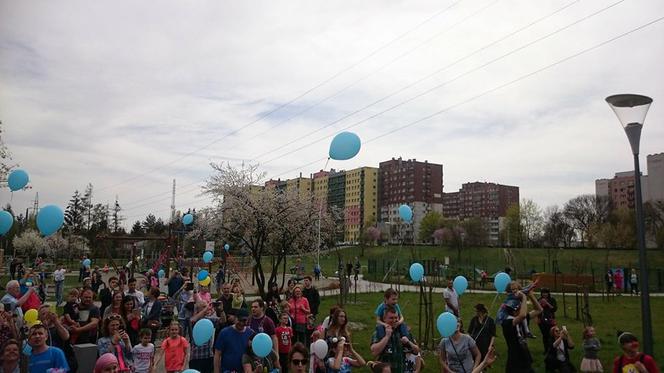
577, 303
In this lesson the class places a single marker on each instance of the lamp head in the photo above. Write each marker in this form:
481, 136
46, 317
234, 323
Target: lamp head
631, 111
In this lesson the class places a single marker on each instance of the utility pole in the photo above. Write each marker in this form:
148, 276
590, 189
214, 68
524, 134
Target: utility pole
173, 203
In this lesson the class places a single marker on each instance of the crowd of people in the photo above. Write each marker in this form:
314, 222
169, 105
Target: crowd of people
138, 328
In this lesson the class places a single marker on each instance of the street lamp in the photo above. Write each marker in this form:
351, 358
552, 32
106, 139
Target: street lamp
631, 111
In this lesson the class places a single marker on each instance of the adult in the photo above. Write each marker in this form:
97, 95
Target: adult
259, 323
632, 360
252, 363
10, 357
342, 357
29, 281
131, 315
299, 310
547, 319
8, 329
220, 278
107, 363
152, 311
58, 335
13, 300
88, 319
298, 357
115, 308
290, 288
115, 340
272, 300
459, 352
131, 290
519, 359
608, 279
451, 299
44, 358
184, 298
82, 269
97, 281
482, 329
557, 356
633, 282
226, 298
312, 295
387, 342
231, 344
203, 294
338, 325
174, 283
202, 357
106, 294
59, 279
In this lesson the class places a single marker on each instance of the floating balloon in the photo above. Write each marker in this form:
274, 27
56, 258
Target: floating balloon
50, 219
345, 146
17, 180
6, 222
206, 281
161, 273
447, 324
261, 344
187, 219
501, 281
406, 213
202, 275
31, 316
86, 263
319, 348
227, 247
207, 257
203, 331
416, 272
460, 284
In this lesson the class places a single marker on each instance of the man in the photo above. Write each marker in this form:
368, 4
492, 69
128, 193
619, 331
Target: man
137, 294
59, 279
44, 358
387, 343
226, 300
262, 324
15, 300
451, 299
174, 283
231, 344
106, 294
202, 356
88, 319
58, 336
519, 359
311, 293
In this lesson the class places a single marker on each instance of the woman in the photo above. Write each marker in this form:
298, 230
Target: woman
96, 282
342, 357
152, 312
482, 329
458, 353
299, 308
547, 319
298, 359
338, 325
107, 363
272, 299
115, 341
131, 317
7, 327
251, 363
288, 294
10, 357
238, 299
116, 305
557, 356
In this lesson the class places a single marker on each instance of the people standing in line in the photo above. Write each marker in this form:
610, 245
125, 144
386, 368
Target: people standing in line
482, 329
547, 319
231, 344
459, 352
299, 310
633, 282
591, 346
557, 356
632, 360
59, 280
451, 299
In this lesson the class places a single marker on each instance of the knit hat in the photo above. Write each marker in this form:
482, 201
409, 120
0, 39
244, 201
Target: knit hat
105, 361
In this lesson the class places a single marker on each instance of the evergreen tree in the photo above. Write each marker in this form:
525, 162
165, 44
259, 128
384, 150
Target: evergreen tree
74, 214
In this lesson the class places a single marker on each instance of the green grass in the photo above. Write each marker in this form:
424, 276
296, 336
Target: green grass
623, 313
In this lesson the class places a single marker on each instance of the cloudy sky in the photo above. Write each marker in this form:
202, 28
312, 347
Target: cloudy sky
130, 95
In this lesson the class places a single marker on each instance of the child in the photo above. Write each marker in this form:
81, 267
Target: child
391, 298
316, 365
338, 361
285, 308
591, 346
413, 363
284, 335
632, 360
143, 353
71, 313
514, 303
175, 348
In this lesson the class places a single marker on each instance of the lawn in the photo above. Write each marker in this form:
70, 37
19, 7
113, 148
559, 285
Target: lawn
609, 316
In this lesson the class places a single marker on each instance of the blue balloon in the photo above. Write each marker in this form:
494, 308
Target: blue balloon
460, 284
501, 281
203, 331
416, 272
187, 219
406, 213
161, 273
86, 263
50, 219
202, 275
227, 247
17, 179
207, 257
6, 222
190, 371
261, 345
345, 146
447, 324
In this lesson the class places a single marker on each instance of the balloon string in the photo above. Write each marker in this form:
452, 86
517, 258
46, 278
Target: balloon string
486, 320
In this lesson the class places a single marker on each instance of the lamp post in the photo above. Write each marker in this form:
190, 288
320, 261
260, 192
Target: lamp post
631, 111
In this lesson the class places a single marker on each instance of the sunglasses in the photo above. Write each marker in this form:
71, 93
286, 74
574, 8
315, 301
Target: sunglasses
299, 361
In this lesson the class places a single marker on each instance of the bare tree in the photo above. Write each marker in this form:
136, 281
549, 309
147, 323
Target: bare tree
532, 222
584, 211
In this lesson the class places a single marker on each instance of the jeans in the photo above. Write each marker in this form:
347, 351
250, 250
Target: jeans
59, 288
